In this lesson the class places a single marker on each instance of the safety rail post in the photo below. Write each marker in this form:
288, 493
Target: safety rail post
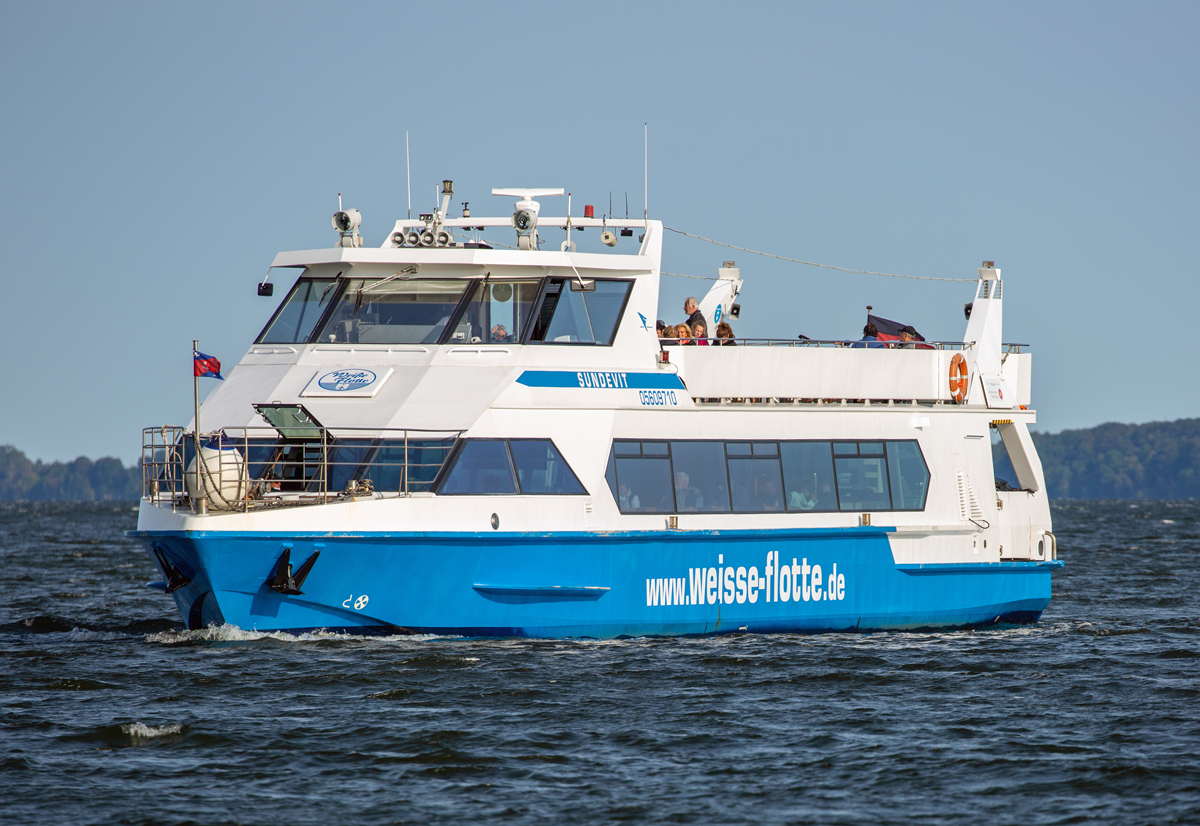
405, 468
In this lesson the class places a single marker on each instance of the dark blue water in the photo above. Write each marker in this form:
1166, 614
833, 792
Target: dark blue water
109, 713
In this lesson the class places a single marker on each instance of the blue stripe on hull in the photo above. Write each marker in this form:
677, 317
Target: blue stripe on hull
591, 584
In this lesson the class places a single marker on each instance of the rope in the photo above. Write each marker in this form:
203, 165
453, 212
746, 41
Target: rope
811, 263
697, 277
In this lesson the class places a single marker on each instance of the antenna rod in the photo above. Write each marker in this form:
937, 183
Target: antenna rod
408, 169
646, 169
339, 202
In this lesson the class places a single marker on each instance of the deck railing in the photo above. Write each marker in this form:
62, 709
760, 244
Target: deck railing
244, 469
856, 345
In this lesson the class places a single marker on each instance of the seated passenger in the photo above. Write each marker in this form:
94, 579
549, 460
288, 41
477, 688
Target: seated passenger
908, 338
725, 334
684, 334
769, 498
627, 499
870, 335
700, 333
802, 499
499, 334
687, 498
660, 329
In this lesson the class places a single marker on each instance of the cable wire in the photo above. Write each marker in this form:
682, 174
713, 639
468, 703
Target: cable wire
812, 263
682, 275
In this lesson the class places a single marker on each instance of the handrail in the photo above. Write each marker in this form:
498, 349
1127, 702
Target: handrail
250, 468
808, 342
836, 343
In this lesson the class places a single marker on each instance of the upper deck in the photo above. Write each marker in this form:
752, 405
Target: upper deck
446, 326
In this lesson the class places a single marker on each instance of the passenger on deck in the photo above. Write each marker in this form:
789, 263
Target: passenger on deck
700, 332
725, 334
687, 498
660, 328
692, 307
871, 336
908, 338
499, 333
684, 334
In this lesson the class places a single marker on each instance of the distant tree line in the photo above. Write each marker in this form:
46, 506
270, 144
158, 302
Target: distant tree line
80, 480
1159, 460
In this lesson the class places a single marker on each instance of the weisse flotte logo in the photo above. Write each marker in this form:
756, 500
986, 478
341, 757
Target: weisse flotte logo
342, 380
728, 585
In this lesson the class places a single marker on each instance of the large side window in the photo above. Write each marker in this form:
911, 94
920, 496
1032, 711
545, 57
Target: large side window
699, 476
808, 476
571, 314
862, 480
542, 469
642, 475
299, 313
497, 466
908, 475
481, 467
754, 476
385, 464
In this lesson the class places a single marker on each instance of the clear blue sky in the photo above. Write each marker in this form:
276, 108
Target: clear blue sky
154, 158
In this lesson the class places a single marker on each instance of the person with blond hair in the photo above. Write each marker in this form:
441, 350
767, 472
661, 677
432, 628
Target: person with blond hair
699, 332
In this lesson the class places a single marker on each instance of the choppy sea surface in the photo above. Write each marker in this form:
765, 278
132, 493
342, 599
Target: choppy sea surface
111, 713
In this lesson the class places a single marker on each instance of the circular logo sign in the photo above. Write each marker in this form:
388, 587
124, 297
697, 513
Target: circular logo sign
717, 315
342, 380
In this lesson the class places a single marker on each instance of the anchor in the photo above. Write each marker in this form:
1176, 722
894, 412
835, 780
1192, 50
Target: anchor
284, 581
175, 577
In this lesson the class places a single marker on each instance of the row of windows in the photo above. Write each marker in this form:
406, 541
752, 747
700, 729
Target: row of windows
748, 477
644, 476
448, 311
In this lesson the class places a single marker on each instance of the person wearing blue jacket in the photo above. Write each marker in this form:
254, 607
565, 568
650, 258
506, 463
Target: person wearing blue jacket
869, 338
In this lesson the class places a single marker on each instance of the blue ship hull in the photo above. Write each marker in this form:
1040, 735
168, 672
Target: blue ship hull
599, 585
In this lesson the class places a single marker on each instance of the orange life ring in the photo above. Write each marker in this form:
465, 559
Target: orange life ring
958, 378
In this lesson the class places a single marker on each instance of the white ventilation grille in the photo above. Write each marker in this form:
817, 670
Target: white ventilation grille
968, 504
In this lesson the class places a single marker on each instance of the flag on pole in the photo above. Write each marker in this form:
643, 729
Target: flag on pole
206, 365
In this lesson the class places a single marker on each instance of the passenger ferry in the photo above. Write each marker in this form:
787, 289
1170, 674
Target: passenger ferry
444, 435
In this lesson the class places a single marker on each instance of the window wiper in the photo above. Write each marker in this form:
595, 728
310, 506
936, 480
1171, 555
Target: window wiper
332, 284
358, 298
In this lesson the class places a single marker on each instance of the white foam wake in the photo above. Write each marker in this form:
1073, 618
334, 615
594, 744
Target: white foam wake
232, 633
141, 731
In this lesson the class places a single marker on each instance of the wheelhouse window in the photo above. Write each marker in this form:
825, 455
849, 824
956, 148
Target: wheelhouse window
499, 466
573, 313
497, 312
299, 313
394, 311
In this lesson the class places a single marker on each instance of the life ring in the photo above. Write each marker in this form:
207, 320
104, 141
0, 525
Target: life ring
958, 378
